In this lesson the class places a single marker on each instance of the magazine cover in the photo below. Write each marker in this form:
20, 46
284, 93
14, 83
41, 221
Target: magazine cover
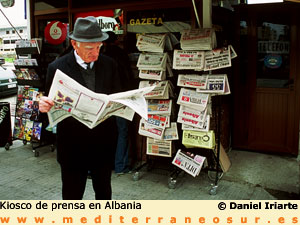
19, 128
36, 131
28, 130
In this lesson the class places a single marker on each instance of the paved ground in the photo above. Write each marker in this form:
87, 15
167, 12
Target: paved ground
251, 176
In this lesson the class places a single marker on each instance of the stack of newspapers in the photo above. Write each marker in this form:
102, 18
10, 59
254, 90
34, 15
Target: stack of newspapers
155, 66
156, 42
198, 51
198, 39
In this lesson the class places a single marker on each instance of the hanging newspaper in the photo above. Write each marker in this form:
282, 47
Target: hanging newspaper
192, 81
90, 108
198, 139
151, 42
190, 124
232, 52
216, 84
217, 59
152, 74
188, 60
171, 133
161, 107
161, 90
152, 61
192, 99
148, 130
193, 114
159, 147
159, 121
189, 162
198, 39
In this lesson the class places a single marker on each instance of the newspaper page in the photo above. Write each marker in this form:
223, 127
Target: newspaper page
189, 124
216, 84
191, 113
90, 108
161, 90
217, 59
152, 61
159, 121
152, 74
192, 99
188, 162
159, 106
148, 130
151, 42
232, 52
159, 147
192, 81
188, 60
171, 133
198, 39
198, 139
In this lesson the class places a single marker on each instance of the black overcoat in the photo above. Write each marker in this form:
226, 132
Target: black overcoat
77, 145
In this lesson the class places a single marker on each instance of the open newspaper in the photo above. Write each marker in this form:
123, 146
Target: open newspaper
90, 108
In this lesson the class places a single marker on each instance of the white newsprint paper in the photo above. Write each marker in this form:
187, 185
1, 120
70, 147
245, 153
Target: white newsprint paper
193, 99
189, 162
90, 108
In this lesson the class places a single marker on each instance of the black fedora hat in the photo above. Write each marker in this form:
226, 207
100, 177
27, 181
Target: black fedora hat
87, 30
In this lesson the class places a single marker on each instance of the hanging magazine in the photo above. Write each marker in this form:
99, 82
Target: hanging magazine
188, 60
198, 39
188, 162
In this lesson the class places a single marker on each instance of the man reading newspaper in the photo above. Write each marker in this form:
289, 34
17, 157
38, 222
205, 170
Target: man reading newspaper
79, 148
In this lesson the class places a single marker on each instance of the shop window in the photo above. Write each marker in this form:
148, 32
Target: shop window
273, 55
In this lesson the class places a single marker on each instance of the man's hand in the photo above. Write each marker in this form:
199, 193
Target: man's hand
45, 104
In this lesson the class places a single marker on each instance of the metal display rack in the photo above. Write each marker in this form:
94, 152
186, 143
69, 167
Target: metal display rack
28, 54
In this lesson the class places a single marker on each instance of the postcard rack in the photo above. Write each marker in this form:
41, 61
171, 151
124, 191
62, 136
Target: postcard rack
29, 123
